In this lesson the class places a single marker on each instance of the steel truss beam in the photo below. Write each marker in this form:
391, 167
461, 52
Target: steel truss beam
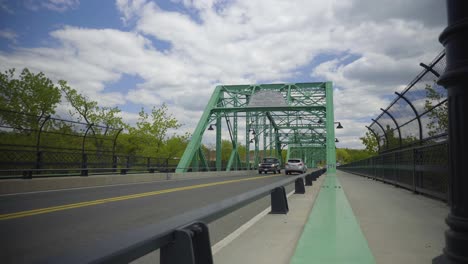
274, 116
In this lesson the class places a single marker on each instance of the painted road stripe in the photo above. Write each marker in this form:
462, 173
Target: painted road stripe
332, 233
120, 198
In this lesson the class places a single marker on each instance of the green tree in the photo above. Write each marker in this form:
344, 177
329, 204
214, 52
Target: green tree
370, 142
342, 156
174, 147
438, 116
31, 94
226, 149
151, 129
83, 108
104, 119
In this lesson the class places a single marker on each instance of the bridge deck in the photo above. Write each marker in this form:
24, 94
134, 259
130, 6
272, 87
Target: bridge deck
398, 226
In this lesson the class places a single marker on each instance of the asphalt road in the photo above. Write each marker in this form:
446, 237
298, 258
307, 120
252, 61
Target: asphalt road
35, 227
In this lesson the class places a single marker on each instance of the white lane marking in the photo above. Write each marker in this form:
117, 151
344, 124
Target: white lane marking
229, 238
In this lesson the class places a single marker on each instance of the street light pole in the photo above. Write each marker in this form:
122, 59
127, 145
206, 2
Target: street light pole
455, 79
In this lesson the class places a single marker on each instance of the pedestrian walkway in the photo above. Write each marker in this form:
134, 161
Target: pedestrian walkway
332, 234
359, 221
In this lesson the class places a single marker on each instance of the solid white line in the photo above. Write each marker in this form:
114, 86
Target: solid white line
229, 238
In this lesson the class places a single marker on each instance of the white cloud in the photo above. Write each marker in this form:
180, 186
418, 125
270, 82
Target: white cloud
238, 42
9, 35
5, 7
53, 5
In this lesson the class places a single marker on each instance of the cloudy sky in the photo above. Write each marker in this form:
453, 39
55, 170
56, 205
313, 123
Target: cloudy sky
143, 53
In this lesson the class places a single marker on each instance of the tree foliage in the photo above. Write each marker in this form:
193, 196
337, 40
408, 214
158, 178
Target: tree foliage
32, 94
151, 129
346, 155
438, 116
370, 142
28, 98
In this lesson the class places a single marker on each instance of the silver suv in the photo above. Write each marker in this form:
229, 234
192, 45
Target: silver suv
295, 165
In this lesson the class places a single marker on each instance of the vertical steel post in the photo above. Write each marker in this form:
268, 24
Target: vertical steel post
218, 143
455, 79
264, 136
234, 132
247, 139
114, 143
256, 140
84, 157
39, 153
271, 139
330, 126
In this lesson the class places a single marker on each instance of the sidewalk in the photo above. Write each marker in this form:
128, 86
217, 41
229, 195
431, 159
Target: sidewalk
399, 226
273, 238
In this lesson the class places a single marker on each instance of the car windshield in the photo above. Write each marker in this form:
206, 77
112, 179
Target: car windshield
294, 161
269, 160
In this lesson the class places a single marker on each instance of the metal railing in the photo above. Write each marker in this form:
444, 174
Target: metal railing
28, 164
184, 238
421, 169
17, 163
418, 115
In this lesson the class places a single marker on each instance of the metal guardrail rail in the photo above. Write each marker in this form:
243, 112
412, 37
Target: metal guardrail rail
421, 169
183, 238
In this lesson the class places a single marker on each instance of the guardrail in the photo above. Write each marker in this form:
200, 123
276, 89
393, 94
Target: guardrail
421, 169
184, 238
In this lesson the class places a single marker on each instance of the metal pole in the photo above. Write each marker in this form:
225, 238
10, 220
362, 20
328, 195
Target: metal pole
115, 141
455, 79
218, 144
38, 144
84, 162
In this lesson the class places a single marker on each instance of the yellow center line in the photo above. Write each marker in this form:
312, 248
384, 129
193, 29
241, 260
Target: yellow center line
118, 198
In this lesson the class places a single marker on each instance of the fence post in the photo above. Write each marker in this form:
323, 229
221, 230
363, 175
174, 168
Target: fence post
84, 164
127, 166
114, 163
148, 165
39, 160
415, 158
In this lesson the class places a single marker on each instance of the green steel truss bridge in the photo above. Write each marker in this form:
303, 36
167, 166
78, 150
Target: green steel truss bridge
298, 117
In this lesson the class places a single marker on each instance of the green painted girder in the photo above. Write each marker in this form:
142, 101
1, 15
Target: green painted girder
297, 122
194, 143
264, 109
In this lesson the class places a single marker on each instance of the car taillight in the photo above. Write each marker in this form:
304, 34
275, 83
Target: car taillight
300, 164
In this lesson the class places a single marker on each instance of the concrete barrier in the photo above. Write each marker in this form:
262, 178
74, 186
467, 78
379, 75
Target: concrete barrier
57, 183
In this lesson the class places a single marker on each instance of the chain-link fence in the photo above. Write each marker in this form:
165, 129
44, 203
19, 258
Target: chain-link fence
421, 169
46, 146
418, 115
411, 134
